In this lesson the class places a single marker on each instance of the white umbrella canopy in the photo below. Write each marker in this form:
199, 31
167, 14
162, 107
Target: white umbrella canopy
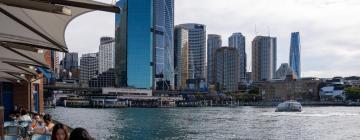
18, 56
9, 67
45, 26
29, 25
16, 62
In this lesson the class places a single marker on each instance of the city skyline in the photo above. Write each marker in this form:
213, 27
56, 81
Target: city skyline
138, 74
334, 55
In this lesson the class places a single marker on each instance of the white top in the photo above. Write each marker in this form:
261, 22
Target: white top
38, 125
25, 118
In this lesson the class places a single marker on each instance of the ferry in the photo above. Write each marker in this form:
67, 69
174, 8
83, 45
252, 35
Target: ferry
289, 106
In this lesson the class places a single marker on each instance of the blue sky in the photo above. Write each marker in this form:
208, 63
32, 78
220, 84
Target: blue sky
329, 29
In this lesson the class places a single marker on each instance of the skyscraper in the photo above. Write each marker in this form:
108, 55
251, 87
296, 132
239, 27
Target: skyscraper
295, 62
106, 54
237, 40
144, 44
263, 58
88, 67
71, 61
197, 50
181, 47
227, 69
69, 66
213, 42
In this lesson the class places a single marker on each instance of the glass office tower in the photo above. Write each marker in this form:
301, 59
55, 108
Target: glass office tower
144, 44
294, 59
197, 50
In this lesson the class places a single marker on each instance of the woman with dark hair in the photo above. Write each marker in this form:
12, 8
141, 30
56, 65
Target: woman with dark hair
80, 134
48, 123
60, 132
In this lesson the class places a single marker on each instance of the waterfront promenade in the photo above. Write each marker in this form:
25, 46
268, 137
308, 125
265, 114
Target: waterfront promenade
157, 103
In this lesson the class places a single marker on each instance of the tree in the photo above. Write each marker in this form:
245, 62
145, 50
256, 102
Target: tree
254, 91
254, 94
199, 96
352, 93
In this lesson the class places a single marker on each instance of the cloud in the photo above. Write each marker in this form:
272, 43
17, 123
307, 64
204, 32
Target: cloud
329, 29
83, 33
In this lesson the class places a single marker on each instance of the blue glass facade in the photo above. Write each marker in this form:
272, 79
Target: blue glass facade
164, 47
144, 44
294, 59
121, 45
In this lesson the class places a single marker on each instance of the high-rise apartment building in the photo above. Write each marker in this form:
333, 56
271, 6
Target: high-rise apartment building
213, 42
237, 40
295, 48
144, 44
197, 50
181, 47
106, 54
227, 69
88, 67
69, 68
263, 58
71, 61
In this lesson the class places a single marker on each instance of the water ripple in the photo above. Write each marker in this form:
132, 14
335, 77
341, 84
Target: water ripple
251, 123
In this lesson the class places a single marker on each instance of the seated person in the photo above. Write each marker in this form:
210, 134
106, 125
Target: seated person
37, 122
48, 126
24, 116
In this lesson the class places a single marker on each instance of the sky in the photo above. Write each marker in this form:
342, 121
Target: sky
329, 29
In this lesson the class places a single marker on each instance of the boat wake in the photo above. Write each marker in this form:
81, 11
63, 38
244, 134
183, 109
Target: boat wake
310, 114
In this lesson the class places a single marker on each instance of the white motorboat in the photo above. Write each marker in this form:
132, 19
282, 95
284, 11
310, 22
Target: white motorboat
289, 106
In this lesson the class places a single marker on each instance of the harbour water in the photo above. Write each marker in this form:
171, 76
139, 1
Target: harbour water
320, 123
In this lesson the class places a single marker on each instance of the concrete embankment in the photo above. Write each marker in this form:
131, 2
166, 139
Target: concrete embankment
229, 103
